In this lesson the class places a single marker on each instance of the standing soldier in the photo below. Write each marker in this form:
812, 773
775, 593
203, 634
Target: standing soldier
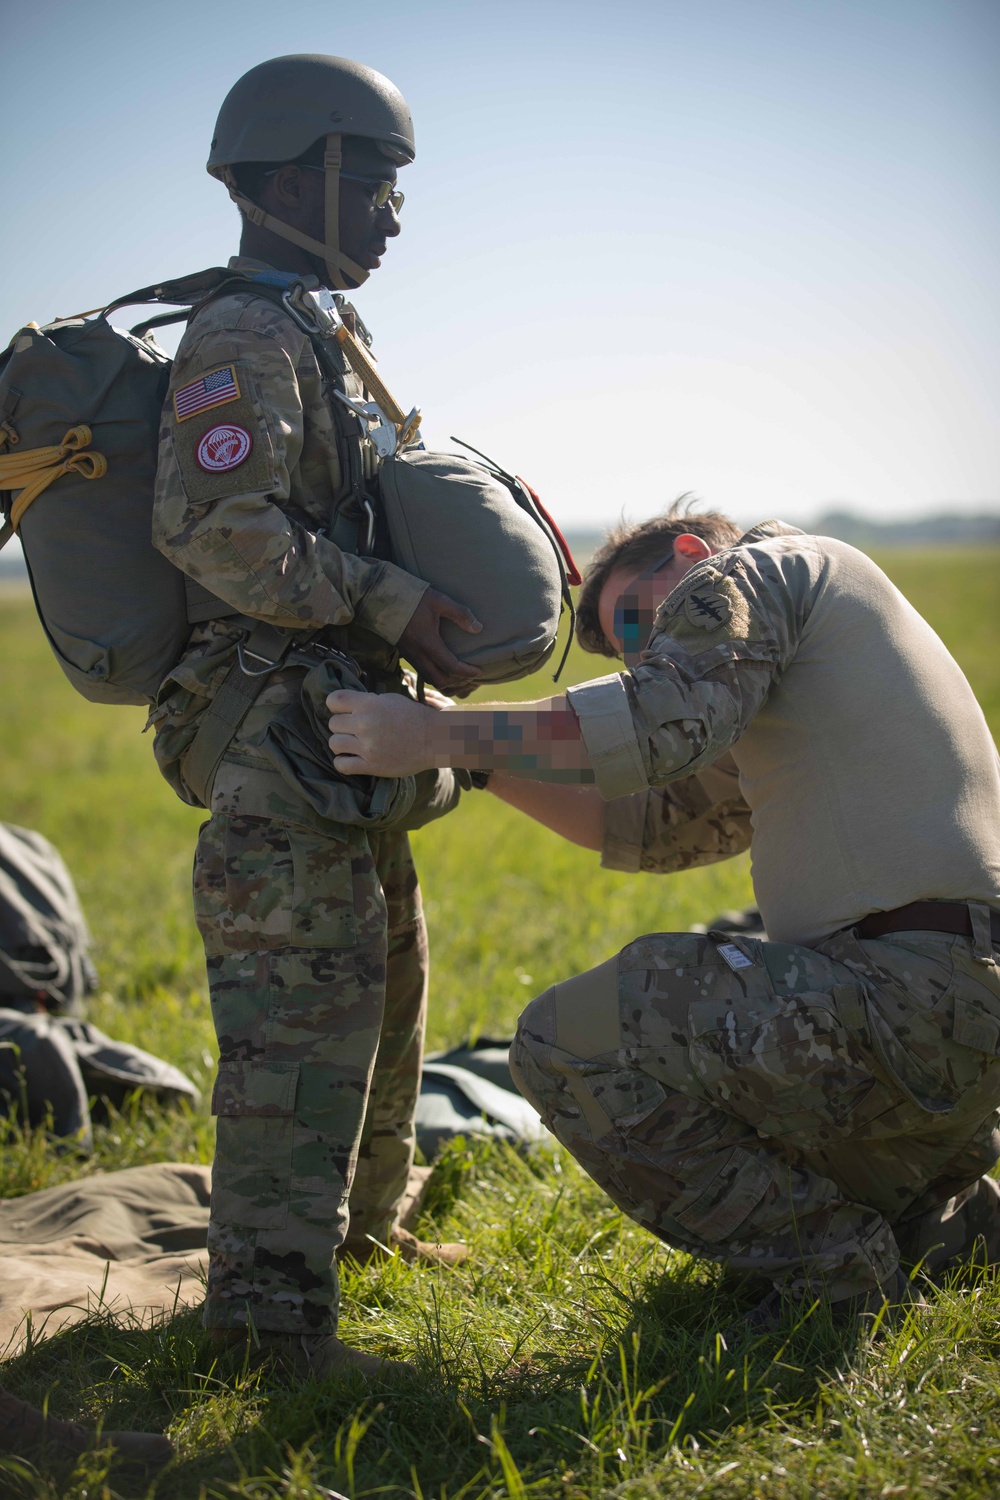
305, 892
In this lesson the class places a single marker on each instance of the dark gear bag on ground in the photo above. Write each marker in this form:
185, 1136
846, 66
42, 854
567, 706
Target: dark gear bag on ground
52, 1066
51, 1059
80, 405
44, 941
468, 1090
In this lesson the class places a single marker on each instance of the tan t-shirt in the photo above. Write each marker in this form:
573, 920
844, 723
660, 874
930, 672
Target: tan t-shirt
866, 762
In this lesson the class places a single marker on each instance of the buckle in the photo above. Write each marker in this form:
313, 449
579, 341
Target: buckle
315, 312
373, 422
241, 655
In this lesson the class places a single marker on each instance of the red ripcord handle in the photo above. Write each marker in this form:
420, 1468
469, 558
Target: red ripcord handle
573, 574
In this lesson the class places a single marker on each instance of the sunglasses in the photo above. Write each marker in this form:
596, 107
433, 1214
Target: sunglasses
382, 192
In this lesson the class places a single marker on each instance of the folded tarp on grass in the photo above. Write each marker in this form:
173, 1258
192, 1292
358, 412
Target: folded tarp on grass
128, 1242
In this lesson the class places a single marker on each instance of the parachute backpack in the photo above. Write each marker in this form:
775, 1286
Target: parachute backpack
44, 940
51, 1058
80, 406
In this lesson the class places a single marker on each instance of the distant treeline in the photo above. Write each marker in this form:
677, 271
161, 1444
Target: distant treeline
951, 529
963, 529
954, 529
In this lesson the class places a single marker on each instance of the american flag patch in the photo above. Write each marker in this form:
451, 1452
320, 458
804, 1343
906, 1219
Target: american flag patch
213, 389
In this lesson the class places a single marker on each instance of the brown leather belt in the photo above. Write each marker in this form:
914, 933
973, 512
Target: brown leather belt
925, 916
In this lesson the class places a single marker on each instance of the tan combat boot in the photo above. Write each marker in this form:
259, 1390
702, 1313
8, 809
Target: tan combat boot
406, 1245
25, 1430
309, 1356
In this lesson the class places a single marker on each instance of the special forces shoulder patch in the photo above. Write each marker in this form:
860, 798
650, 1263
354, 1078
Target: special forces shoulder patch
707, 608
705, 611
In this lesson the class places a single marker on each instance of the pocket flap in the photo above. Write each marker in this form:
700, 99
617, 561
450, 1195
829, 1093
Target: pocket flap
975, 1027
255, 1088
731, 1196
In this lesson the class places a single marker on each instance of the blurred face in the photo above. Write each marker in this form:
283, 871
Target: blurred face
629, 601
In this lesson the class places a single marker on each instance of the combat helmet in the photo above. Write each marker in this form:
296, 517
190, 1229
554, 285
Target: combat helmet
281, 107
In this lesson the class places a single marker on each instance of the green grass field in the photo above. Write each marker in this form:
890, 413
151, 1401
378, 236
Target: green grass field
574, 1356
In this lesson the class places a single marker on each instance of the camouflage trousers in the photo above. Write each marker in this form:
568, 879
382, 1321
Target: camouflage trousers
812, 1114
317, 965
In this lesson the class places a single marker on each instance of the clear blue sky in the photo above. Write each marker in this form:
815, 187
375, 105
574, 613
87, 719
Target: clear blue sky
743, 247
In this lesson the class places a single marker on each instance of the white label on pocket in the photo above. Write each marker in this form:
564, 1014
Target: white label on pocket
735, 957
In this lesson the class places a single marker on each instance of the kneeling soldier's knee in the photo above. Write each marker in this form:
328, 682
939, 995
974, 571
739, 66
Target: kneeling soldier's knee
532, 1047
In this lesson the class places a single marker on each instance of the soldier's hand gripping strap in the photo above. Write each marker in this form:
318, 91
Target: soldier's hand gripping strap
329, 252
257, 657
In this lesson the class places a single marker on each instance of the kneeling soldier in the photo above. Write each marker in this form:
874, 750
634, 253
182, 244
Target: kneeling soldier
822, 1106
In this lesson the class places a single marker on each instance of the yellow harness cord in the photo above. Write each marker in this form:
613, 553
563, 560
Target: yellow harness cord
34, 470
363, 366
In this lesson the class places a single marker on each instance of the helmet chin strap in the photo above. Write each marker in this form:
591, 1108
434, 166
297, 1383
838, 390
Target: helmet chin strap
337, 263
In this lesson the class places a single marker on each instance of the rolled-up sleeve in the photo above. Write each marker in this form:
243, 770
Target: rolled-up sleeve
608, 734
719, 640
696, 820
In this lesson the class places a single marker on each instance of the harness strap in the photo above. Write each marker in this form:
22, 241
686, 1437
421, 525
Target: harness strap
336, 263
363, 365
257, 657
37, 980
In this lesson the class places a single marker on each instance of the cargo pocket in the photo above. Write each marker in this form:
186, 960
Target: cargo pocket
784, 1065
975, 1027
322, 908
729, 1199
251, 1178
243, 879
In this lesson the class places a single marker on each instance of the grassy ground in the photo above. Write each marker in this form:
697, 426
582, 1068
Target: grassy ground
574, 1357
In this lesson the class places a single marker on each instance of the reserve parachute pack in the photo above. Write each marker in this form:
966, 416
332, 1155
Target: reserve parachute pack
80, 409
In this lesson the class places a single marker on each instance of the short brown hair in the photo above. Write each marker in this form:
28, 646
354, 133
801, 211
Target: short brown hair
639, 547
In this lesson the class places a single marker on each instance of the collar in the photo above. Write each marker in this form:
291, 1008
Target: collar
259, 270
765, 529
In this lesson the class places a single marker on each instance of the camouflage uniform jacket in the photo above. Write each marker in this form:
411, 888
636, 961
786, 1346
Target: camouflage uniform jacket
252, 532
864, 759
694, 821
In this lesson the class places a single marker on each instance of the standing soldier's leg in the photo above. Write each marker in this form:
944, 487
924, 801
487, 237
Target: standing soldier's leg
294, 928
388, 1138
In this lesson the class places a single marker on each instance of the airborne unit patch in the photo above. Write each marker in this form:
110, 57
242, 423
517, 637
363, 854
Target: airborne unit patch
223, 453
223, 447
